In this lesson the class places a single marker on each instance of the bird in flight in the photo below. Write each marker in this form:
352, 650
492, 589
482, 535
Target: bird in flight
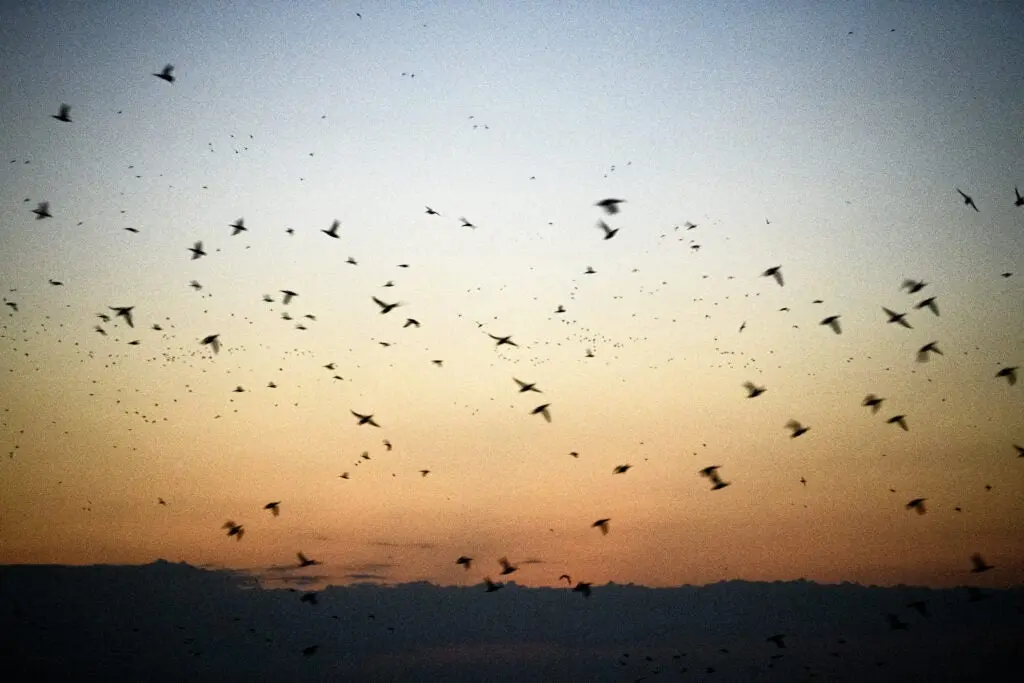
895, 317
431, 212
797, 428
543, 410
608, 232
305, 561
1010, 373
491, 586
1020, 450
913, 286
775, 272
333, 230
42, 211
502, 340
833, 322
197, 250
601, 524
384, 308
123, 312
917, 505
166, 74
238, 226
967, 199
582, 587
364, 419
979, 564
900, 420
411, 322
310, 651
711, 473
872, 401
928, 303
424, 473
610, 206
753, 390
213, 341
64, 115
467, 224
922, 353
1018, 199
506, 566
465, 561
236, 530
621, 469
274, 507
526, 386
288, 296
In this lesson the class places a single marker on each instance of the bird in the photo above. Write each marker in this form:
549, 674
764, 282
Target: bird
526, 386
610, 206
928, 303
833, 322
568, 579
922, 353
797, 428
465, 561
582, 587
1018, 198
753, 390
213, 341
621, 469
895, 317
411, 322
166, 74
900, 420
350, 260
967, 199
55, 283
364, 419
161, 501
1010, 373
590, 271
608, 232
979, 564
711, 472
467, 224
305, 561
491, 586
507, 340
274, 507
777, 639
873, 401
775, 272
384, 308
194, 284
42, 211
601, 524
913, 286
917, 504
431, 212
288, 296
424, 473
1020, 450
64, 114
197, 250
506, 566
333, 230
543, 410
236, 530
123, 312
238, 226
387, 445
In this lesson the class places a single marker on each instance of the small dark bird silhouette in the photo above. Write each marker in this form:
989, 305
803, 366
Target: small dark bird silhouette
274, 507
922, 353
213, 341
928, 303
610, 206
872, 401
431, 212
1010, 373
797, 428
1018, 199
895, 317
506, 566
161, 501
491, 586
424, 473
608, 232
568, 579
582, 587
753, 390
467, 224
288, 296
55, 283
238, 226
236, 530
621, 469
711, 473
502, 340
42, 211
364, 419
305, 561
411, 322
194, 284
900, 420
1020, 450
166, 74
384, 308
64, 114
543, 410
917, 504
775, 272
833, 322
778, 640
979, 565
465, 561
197, 250
333, 230
123, 312
967, 199
602, 524
913, 286
526, 386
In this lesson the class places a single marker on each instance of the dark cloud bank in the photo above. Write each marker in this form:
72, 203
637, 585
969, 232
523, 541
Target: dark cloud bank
174, 622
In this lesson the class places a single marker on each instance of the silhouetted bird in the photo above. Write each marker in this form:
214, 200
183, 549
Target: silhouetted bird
1018, 200
928, 303
582, 587
288, 296
64, 114
309, 597
610, 206
42, 210
305, 561
384, 308
775, 272
506, 566
467, 224
431, 212
895, 623
919, 606
917, 505
913, 286
601, 524
778, 640
502, 340
568, 579
213, 341
364, 419
833, 322
621, 469
711, 473
797, 428
922, 353
238, 226
274, 507
895, 317
166, 74
967, 199
872, 401
753, 390
978, 564
900, 420
543, 410
333, 230
123, 312
526, 386
411, 322
236, 530
608, 232
1010, 373
197, 250
310, 651
1020, 450
465, 561
491, 586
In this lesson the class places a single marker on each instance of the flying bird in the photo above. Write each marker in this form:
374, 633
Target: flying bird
608, 232
274, 507
621, 469
979, 565
922, 353
775, 272
913, 286
1010, 373
431, 212
467, 224
507, 340
236, 530
364, 419
333, 230
610, 206
305, 561
42, 211
711, 473
64, 115
213, 341
917, 504
601, 524
928, 303
797, 428
384, 308
197, 250
166, 74
123, 312
491, 586
872, 401
543, 410
753, 390
833, 322
895, 317
1018, 199
411, 322
506, 566
465, 561
967, 199
238, 226
568, 579
900, 420
526, 386
582, 587
288, 296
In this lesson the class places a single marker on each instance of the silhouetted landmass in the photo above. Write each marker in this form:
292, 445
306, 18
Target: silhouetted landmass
174, 622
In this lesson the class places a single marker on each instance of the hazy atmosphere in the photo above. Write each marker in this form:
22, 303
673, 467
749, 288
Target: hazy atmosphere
343, 280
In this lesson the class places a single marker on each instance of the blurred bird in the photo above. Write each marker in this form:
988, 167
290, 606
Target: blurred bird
305, 561
288, 296
491, 586
568, 579
411, 322
238, 226
601, 524
502, 340
919, 606
1010, 373
431, 212
197, 250
333, 230
928, 303
979, 564
913, 286
900, 420
922, 353
364, 419
621, 469
895, 317
465, 561
797, 428
582, 587
917, 504
895, 623
384, 308
42, 211
123, 312
833, 322
608, 232
778, 640
967, 199
166, 74
711, 472
610, 206
526, 386
775, 272
506, 566
467, 224
64, 115
543, 410
753, 390
872, 401
310, 651
1018, 199
309, 597
1020, 450
274, 507
213, 341
236, 530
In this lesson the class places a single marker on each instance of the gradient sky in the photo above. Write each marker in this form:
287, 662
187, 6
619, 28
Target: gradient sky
827, 140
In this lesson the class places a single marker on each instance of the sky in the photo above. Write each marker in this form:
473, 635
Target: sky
830, 141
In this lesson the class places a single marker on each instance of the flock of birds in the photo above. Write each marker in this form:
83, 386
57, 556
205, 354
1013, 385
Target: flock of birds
611, 207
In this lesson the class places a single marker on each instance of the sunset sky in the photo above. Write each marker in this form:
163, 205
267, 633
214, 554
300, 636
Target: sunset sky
829, 141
